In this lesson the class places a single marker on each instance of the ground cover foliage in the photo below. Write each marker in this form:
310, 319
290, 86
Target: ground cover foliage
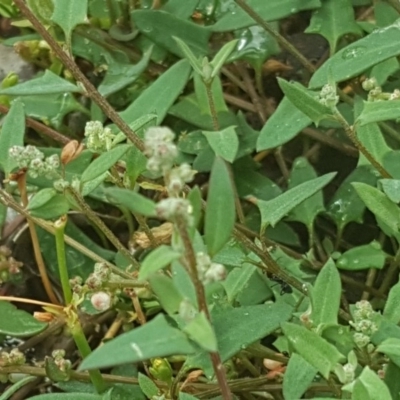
211, 192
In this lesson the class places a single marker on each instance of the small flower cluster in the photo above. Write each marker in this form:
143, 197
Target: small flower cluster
328, 96
63, 364
99, 138
14, 357
375, 92
101, 274
175, 208
209, 271
364, 323
178, 177
9, 266
32, 158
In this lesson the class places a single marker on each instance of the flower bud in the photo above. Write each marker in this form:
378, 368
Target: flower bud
101, 301
71, 151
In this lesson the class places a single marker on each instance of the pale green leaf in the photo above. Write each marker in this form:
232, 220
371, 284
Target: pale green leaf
158, 259
225, 142
200, 331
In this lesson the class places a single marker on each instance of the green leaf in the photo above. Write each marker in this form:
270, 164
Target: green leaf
161, 27
237, 328
222, 55
346, 206
392, 372
392, 305
104, 162
68, 396
391, 187
18, 323
167, 294
187, 52
298, 377
283, 125
200, 331
43, 9
371, 387
325, 297
380, 205
225, 143
69, 14
306, 101
305, 212
148, 387
48, 204
334, 19
160, 95
376, 111
120, 75
271, 10
360, 55
272, 211
48, 83
186, 396
11, 134
362, 257
133, 201
158, 259
220, 211
313, 348
154, 339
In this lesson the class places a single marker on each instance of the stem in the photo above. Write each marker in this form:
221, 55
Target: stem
70, 64
21, 180
191, 265
85, 350
351, 133
211, 104
101, 225
30, 301
59, 226
18, 385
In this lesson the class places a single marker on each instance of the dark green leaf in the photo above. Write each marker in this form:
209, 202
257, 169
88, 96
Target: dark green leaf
54, 207
306, 101
360, 55
362, 257
15, 322
270, 10
392, 306
132, 201
325, 297
11, 134
154, 339
274, 210
68, 396
159, 258
104, 162
161, 27
220, 210
49, 83
313, 348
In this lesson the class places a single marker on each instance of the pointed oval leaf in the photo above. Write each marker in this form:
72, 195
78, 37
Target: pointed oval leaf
306, 101
326, 295
49, 83
391, 187
379, 204
313, 348
374, 386
154, 339
167, 294
220, 210
200, 331
11, 134
135, 202
362, 257
225, 143
375, 111
274, 210
104, 162
15, 322
148, 387
283, 125
158, 259
392, 306
360, 55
